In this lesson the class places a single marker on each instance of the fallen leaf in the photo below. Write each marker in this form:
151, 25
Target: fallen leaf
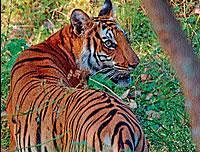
155, 93
138, 93
4, 114
152, 114
132, 104
125, 94
149, 96
197, 10
145, 77
146, 69
134, 93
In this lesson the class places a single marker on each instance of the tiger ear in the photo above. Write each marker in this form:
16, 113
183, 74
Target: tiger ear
107, 9
79, 21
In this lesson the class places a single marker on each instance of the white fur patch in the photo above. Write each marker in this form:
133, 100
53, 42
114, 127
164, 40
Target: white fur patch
107, 141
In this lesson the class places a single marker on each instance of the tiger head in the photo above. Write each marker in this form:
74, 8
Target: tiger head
105, 47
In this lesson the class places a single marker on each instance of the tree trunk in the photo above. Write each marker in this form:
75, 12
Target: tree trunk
180, 51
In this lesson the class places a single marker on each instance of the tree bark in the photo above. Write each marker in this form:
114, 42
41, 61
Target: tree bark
180, 52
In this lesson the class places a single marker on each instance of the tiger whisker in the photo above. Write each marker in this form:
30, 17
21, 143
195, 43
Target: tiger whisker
115, 74
110, 73
102, 70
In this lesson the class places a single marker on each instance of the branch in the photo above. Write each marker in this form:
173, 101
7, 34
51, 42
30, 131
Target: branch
180, 51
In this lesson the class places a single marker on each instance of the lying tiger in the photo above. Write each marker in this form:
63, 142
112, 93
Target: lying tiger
46, 116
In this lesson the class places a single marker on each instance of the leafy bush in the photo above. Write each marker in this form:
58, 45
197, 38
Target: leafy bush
9, 52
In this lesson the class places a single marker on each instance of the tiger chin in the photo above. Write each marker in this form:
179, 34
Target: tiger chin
49, 109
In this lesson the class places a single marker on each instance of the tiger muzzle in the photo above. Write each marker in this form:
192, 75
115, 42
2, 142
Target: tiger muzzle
122, 79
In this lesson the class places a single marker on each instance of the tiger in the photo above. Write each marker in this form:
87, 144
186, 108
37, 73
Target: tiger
48, 107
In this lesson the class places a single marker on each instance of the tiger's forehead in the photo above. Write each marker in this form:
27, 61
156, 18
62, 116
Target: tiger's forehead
107, 23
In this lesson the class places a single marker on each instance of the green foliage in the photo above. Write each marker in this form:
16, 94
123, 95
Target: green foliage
9, 52
5, 135
162, 116
191, 27
133, 21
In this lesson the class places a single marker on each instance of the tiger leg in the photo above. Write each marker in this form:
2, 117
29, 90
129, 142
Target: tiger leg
12, 145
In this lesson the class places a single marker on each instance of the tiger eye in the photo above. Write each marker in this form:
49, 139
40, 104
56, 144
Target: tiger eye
108, 43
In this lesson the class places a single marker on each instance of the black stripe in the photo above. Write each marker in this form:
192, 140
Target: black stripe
93, 141
74, 95
91, 115
45, 149
95, 51
32, 106
47, 103
71, 98
127, 142
130, 119
29, 144
88, 108
57, 104
33, 59
120, 141
89, 57
136, 124
110, 115
104, 26
43, 100
42, 76
61, 36
110, 35
62, 55
19, 139
38, 132
54, 132
14, 69
97, 36
107, 31
25, 131
29, 82
52, 67
56, 57
81, 97
143, 145
22, 76
27, 92
76, 112
116, 130
93, 121
128, 111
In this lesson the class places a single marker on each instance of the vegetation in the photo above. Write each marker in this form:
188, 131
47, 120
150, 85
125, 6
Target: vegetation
154, 95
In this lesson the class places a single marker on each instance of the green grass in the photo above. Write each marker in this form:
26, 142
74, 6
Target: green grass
160, 103
163, 117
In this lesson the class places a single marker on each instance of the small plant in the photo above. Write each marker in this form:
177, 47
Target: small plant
9, 52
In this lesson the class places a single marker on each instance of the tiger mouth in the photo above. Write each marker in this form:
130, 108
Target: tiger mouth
118, 76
